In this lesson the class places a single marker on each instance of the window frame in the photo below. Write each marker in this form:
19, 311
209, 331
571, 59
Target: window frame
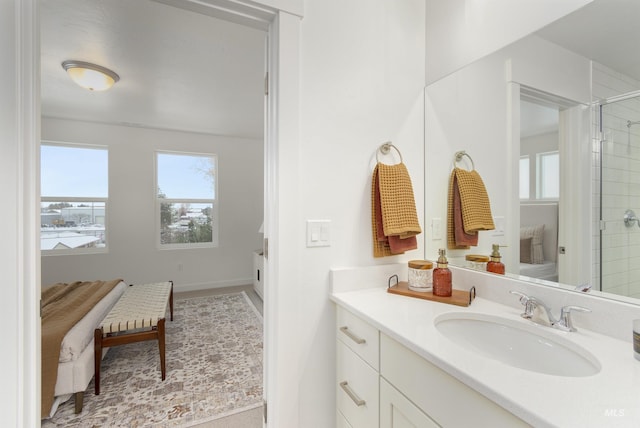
215, 223
526, 176
540, 174
76, 199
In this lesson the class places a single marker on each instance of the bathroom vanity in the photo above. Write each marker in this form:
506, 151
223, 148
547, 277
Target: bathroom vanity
403, 361
373, 368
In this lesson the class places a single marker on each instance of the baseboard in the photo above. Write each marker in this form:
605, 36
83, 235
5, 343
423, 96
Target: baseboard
209, 285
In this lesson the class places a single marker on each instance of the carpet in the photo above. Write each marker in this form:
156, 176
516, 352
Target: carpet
214, 369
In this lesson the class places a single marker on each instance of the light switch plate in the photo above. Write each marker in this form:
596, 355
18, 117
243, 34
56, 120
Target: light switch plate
318, 233
436, 229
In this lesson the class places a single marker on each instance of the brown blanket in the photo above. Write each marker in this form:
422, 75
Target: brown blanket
63, 305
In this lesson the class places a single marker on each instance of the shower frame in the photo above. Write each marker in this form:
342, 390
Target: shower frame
601, 222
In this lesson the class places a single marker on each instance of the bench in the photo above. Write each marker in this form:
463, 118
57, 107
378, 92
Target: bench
137, 316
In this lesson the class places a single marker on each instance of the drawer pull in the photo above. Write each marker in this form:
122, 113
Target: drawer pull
352, 336
346, 388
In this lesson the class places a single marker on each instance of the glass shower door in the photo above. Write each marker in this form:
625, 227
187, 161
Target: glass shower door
619, 188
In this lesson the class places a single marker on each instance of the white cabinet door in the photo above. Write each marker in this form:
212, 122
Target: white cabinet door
398, 412
341, 422
437, 393
357, 388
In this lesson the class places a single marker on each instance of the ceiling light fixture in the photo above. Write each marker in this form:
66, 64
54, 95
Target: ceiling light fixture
90, 76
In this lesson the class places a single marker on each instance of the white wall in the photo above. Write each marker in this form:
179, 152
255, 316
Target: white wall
10, 155
462, 31
539, 143
471, 110
362, 80
132, 251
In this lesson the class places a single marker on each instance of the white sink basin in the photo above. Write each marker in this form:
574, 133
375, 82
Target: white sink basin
517, 344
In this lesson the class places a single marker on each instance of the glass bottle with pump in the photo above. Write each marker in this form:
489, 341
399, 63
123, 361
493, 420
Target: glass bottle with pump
495, 265
442, 276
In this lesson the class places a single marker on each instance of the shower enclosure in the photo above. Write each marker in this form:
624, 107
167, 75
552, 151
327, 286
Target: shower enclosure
617, 180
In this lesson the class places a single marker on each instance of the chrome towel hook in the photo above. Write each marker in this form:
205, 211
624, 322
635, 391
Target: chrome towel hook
630, 218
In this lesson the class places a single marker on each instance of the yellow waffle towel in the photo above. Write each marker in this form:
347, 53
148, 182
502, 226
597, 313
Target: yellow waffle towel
393, 201
475, 205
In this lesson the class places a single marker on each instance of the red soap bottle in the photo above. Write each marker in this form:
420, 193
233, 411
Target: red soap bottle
442, 276
495, 265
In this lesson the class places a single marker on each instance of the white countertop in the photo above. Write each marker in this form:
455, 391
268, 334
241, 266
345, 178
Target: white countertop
611, 398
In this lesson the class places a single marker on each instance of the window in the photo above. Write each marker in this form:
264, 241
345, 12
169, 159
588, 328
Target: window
548, 175
524, 177
73, 204
187, 206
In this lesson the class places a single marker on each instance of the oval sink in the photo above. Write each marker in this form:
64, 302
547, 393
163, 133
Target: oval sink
517, 344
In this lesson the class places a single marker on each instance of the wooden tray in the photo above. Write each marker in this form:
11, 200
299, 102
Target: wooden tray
458, 297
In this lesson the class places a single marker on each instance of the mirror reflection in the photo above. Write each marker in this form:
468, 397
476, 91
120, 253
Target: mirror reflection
550, 122
539, 189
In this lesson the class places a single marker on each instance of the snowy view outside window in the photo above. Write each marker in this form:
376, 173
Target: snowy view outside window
187, 200
73, 205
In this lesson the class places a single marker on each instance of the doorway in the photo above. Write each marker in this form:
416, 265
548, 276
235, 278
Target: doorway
282, 127
159, 109
566, 208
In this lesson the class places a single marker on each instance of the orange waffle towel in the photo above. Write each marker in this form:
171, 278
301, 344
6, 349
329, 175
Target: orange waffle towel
474, 207
393, 211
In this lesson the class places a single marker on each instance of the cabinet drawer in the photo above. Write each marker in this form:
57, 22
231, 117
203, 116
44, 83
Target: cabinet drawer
357, 389
438, 394
359, 336
398, 412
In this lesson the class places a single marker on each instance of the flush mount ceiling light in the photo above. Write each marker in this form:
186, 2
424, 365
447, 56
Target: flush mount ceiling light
90, 76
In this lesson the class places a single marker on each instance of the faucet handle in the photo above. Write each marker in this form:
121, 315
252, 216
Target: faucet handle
527, 302
565, 323
523, 297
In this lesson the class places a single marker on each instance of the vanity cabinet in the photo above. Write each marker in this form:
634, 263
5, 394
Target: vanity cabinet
357, 386
381, 383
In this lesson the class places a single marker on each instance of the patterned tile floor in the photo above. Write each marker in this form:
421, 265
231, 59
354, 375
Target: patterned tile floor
214, 368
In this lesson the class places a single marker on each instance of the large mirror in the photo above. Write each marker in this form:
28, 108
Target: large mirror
549, 123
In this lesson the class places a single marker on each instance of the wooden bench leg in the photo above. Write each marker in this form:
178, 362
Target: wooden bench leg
171, 300
97, 356
161, 347
79, 399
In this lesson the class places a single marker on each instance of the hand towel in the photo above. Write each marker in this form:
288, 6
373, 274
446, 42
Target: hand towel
474, 207
394, 217
462, 238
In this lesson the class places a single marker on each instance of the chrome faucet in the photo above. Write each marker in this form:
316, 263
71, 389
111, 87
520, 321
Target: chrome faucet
564, 323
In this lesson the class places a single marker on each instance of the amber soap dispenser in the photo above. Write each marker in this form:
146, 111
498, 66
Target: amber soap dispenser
442, 276
495, 264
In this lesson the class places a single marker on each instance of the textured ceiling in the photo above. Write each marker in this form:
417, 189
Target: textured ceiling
178, 69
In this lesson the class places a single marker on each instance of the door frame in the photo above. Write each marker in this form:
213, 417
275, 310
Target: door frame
281, 20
